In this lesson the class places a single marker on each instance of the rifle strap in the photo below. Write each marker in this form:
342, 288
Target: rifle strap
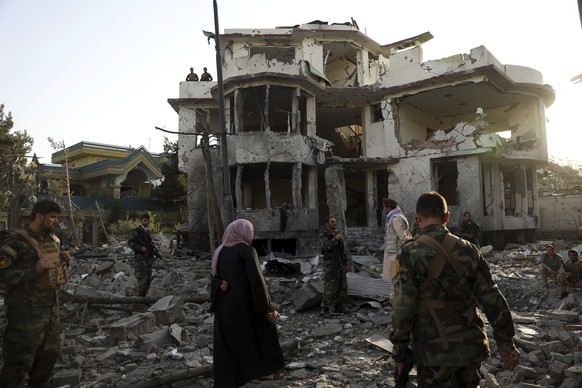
434, 271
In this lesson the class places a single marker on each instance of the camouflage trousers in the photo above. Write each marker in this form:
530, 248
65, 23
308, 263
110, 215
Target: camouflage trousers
143, 273
467, 376
31, 345
335, 286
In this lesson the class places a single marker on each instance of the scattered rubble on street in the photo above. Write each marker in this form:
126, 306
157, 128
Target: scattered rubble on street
111, 338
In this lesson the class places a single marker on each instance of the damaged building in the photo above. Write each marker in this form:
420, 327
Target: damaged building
321, 118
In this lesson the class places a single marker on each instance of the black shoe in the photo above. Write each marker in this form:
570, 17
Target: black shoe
325, 311
563, 295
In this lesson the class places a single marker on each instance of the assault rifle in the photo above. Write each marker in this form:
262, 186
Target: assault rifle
153, 249
402, 378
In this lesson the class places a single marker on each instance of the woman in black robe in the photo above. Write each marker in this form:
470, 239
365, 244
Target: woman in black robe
246, 343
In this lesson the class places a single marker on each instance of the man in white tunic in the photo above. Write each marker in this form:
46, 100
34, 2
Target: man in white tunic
396, 231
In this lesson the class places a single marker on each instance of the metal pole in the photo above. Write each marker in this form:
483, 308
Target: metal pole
228, 203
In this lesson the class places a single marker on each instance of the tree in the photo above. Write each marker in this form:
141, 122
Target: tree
16, 174
172, 190
61, 145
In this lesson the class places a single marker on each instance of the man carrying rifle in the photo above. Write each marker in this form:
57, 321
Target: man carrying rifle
142, 244
335, 268
441, 280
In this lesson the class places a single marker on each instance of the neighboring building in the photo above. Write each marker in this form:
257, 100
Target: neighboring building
304, 98
560, 195
105, 170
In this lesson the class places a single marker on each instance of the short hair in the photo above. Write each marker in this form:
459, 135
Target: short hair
326, 219
469, 213
573, 250
145, 216
44, 207
204, 69
549, 246
431, 204
389, 202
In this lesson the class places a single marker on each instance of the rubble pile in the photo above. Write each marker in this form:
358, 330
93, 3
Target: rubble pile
111, 338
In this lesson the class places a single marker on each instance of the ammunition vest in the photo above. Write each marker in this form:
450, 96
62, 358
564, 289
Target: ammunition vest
56, 275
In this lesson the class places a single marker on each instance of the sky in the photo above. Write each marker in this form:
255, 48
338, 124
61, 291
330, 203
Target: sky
102, 71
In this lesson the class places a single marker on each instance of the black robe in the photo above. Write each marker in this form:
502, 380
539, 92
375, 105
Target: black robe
246, 344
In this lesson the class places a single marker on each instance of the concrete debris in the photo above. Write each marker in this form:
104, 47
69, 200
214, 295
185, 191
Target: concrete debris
111, 338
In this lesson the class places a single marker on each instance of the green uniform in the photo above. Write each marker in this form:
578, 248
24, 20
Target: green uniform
574, 277
138, 238
335, 264
470, 231
439, 315
31, 338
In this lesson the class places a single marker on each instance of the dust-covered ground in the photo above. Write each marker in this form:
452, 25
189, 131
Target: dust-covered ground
319, 351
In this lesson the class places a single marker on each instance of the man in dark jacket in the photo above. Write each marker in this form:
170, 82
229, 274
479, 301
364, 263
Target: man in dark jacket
142, 244
335, 268
470, 230
441, 280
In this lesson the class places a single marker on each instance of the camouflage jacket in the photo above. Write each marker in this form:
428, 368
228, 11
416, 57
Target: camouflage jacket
575, 270
138, 238
465, 340
332, 249
18, 271
470, 231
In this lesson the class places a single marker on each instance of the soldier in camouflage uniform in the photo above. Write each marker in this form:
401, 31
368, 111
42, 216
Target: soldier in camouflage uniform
571, 274
470, 230
31, 338
440, 281
141, 242
335, 267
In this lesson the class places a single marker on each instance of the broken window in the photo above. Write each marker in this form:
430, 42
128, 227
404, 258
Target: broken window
267, 106
509, 192
285, 54
514, 190
376, 113
253, 106
254, 186
530, 176
281, 116
446, 174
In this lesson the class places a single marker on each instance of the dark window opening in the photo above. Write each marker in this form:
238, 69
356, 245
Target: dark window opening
253, 109
509, 192
281, 118
446, 180
377, 115
284, 246
356, 204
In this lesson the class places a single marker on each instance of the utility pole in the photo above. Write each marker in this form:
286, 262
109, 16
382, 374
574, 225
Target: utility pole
228, 203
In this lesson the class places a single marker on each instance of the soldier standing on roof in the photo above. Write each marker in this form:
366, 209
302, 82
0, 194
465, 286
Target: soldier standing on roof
440, 282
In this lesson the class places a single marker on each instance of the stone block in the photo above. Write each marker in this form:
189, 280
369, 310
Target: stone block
556, 372
567, 339
307, 297
168, 310
528, 346
524, 372
131, 327
70, 377
564, 315
551, 347
574, 372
